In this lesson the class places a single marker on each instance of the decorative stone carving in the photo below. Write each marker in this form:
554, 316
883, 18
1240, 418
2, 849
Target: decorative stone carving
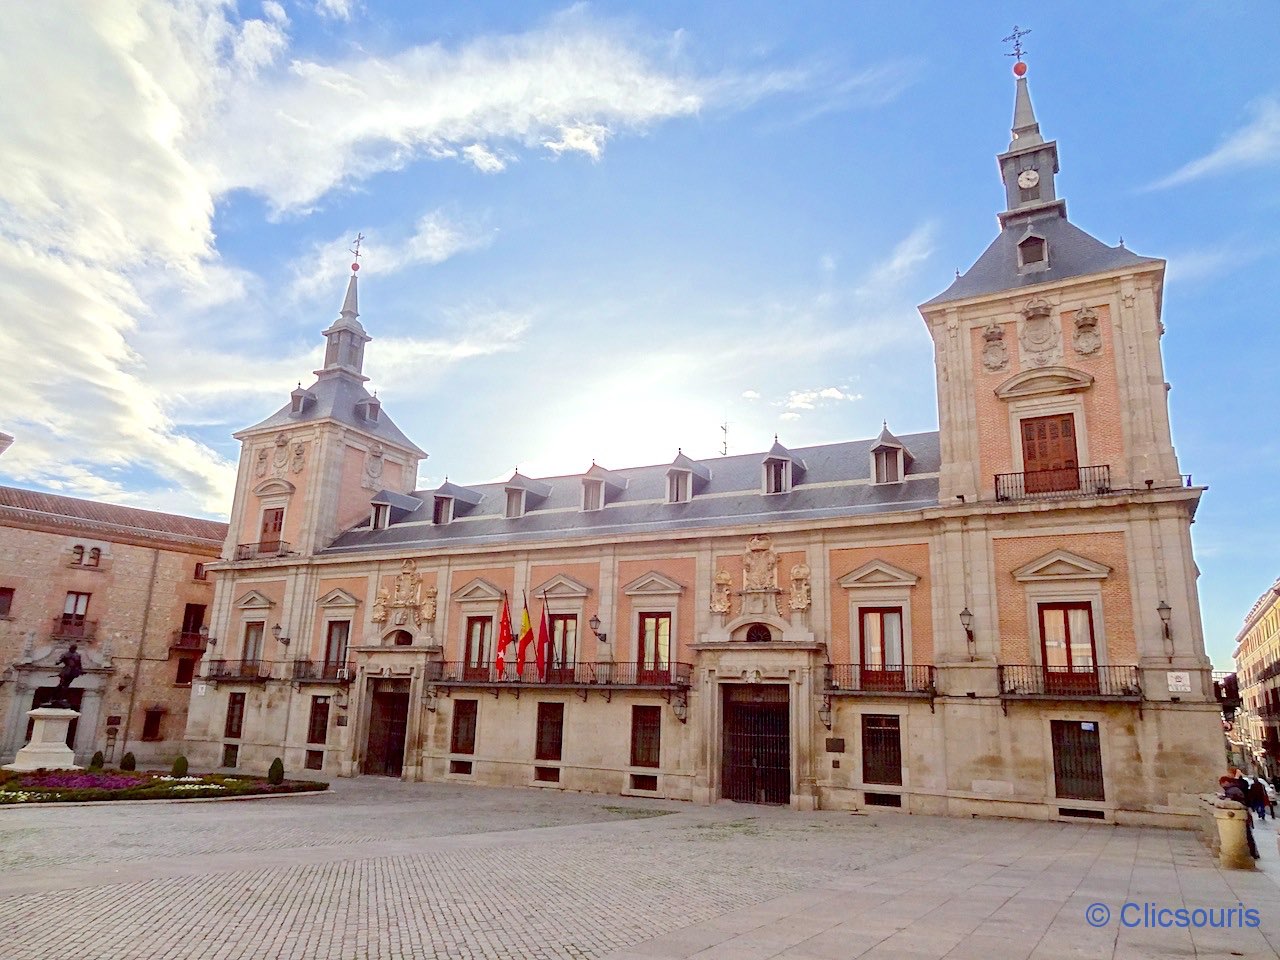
995, 355
373, 468
1086, 339
280, 458
299, 459
427, 609
801, 596
1040, 335
721, 593
759, 565
380, 604
260, 468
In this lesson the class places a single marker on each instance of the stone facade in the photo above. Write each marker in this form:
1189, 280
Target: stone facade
1257, 655
136, 571
947, 623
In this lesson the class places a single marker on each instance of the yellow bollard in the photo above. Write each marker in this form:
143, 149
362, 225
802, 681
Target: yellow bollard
1233, 846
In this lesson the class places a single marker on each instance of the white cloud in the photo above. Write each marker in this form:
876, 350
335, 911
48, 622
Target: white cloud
483, 159
1254, 145
750, 395
812, 399
335, 9
585, 138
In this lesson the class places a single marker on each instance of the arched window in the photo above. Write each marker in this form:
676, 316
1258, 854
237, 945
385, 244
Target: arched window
77, 554
759, 633
95, 557
402, 638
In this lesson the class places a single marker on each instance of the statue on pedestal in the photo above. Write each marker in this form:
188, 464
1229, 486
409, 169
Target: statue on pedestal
71, 668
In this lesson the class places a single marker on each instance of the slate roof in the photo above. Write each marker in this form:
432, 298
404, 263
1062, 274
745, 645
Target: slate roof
1072, 253
336, 396
109, 516
836, 484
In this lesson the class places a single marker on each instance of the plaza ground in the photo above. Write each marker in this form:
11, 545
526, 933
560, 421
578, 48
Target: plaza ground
388, 870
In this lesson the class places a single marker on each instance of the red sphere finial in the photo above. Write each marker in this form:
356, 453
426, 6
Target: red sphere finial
355, 267
1019, 69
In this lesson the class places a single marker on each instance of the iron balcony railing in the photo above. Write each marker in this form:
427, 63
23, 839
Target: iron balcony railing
266, 548
1066, 683
324, 671
904, 678
603, 673
187, 640
1054, 484
252, 670
72, 626
1269, 710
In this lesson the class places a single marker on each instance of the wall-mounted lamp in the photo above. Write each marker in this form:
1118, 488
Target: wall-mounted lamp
340, 700
276, 632
966, 621
205, 638
432, 698
824, 712
1166, 613
594, 624
680, 706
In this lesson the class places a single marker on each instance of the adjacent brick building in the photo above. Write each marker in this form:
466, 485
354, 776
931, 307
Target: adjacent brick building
129, 588
1257, 655
999, 617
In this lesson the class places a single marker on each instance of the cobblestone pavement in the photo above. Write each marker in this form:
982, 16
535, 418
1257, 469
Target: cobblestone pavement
383, 870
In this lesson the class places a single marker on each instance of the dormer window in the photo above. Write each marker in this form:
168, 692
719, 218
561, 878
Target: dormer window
1033, 253
679, 483
592, 495
300, 399
369, 409
515, 504
888, 465
94, 558
381, 516
777, 476
77, 555
442, 511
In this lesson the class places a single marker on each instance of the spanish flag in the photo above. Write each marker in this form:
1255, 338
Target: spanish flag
526, 640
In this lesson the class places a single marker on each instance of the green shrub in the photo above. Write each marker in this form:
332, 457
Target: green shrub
275, 775
180, 766
98, 761
128, 761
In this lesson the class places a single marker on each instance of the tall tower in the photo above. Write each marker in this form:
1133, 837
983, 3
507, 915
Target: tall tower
309, 470
1047, 349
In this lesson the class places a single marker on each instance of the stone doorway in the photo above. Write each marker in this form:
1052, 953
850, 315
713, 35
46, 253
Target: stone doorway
756, 754
388, 728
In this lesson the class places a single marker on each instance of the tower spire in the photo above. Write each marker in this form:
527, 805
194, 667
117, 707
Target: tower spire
345, 338
1030, 164
1026, 130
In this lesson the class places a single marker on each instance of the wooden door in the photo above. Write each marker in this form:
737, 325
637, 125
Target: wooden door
1049, 454
272, 525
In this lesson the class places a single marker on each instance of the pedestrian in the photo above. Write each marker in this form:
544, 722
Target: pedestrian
1271, 795
1257, 798
1230, 787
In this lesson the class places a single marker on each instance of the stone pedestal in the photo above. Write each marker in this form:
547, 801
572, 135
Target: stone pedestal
48, 747
1233, 846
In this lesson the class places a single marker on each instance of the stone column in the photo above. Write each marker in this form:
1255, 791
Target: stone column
1232, 819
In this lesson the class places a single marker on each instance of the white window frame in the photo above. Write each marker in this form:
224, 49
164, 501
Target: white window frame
442, 507
598, 487
518, 502
784, 476
244, 638
1033, 407
679, 486
380, 516
897, 452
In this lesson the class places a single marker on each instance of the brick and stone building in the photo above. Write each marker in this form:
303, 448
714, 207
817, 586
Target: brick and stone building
1256, 734
128, 587
999, 617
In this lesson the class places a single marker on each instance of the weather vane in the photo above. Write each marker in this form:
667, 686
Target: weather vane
1019, 68
355, 267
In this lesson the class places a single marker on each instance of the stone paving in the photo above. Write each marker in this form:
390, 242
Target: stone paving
385, 870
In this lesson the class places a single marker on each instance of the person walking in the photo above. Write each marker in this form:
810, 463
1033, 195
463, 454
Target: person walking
1271, 795
1257, 798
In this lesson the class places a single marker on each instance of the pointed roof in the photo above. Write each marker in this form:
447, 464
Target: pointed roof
348, 314
459, 493
682, 462
887, 439
597, 472
535, 488
1026, 131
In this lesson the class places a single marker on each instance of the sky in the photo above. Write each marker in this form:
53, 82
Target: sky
605, 230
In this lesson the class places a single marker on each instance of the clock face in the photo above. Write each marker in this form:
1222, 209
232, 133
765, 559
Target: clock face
1028, 179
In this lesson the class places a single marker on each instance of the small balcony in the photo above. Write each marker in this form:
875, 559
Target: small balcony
1055, 484
250, 671
901, 679
262, 550
323, 671
599, 674
188, 640
1036, 682
73, 626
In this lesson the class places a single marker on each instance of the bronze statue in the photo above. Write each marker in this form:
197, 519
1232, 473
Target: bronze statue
71, 668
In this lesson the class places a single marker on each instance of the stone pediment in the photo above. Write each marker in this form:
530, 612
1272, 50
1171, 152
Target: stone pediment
253, 600
653, 584
476, 591
338, 598
1044, 380
878, 573
562, 586
45, 657
1061, 565
274, 487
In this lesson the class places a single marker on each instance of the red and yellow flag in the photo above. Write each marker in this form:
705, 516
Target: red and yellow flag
526, 640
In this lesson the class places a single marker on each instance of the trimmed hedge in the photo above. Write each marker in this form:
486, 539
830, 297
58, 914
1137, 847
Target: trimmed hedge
276, 774
128, 762
179, 766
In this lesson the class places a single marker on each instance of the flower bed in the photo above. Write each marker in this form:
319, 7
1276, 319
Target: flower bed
69, 786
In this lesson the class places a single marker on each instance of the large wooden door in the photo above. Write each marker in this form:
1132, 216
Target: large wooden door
1049, 454
388, 723
757, 744
272, 527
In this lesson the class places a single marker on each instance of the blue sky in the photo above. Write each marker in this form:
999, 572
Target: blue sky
602, 230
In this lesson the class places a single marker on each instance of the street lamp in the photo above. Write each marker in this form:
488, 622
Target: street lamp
594, 624
276, 632
966, 621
